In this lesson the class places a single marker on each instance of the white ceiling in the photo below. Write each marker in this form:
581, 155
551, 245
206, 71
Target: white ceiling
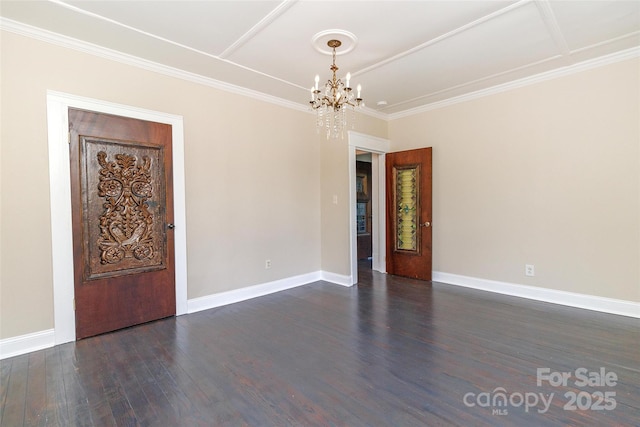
407, 53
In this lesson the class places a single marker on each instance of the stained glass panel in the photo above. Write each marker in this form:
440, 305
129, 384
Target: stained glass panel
406, 208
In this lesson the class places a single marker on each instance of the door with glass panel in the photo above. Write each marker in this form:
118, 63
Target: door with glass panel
408, 175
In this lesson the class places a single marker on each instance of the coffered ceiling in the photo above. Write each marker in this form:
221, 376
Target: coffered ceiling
406, 54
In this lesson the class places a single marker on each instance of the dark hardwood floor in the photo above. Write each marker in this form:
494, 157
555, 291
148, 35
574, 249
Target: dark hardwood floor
388, 352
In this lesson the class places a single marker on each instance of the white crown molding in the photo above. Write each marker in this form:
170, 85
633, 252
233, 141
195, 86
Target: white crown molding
526, 81
123, 58
442, 37
23, 344
259, 27
373, 113
551, 22
92, 49
134, 61
571, 299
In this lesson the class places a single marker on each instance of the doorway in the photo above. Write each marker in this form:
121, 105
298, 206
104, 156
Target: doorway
375, 148
122, 210
58, 105
364, 214
379, 148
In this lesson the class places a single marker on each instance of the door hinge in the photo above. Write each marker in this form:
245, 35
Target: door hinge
74, 304
69, 139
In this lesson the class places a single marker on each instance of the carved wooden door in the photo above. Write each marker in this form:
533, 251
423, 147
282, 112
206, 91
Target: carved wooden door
122, 208
409, 213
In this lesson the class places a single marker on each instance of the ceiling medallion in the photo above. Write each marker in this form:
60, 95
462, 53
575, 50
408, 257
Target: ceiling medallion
320, 41
335, 98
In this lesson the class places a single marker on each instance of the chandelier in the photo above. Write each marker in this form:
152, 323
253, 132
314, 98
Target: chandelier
332, 103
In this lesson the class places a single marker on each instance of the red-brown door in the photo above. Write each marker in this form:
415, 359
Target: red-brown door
408, 176
122, 199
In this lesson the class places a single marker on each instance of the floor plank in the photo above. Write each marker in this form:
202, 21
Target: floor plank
35, 408
56, 409
16, 393
5, 372
90, 367
387, 352
76, 395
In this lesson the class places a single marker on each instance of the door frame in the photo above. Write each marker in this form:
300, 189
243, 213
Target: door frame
58, 104
378, 147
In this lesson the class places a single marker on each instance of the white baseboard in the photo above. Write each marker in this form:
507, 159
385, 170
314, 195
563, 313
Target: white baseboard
242, 294
22, 344
589, 302
338, 279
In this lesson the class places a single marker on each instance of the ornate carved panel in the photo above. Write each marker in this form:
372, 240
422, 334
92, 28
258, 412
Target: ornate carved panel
123, 199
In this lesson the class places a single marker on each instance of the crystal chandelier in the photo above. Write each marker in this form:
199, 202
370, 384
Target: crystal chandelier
331, 104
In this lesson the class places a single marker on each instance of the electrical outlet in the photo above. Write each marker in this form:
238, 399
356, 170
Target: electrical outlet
529, 270
267, 263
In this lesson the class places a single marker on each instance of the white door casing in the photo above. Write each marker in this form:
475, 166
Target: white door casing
60, 193
378, 147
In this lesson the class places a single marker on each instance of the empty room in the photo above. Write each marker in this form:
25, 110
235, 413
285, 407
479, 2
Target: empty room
319, 213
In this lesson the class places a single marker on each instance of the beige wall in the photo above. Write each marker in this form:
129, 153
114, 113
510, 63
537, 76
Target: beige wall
547, 174
252, 177
335, 182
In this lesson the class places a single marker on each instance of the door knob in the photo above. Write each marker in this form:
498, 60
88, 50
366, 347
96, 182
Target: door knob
426, 224
171, 226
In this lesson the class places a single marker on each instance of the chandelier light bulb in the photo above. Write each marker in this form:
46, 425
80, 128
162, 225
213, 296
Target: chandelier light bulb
317, 80
348, 78
359, 89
